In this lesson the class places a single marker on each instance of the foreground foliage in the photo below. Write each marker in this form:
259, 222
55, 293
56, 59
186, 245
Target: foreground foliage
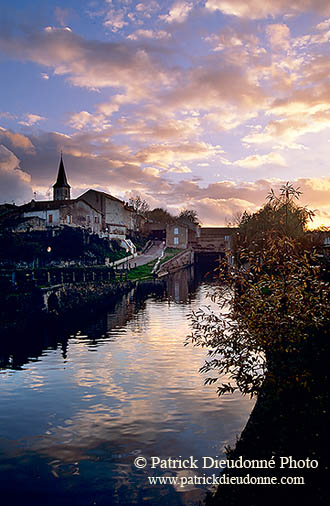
272, 306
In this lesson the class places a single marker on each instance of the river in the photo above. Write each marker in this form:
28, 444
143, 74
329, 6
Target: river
77, 409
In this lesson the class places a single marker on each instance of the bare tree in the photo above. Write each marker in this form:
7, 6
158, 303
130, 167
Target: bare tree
139, 205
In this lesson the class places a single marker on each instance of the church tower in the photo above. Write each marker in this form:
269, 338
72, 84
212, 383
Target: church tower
61, 189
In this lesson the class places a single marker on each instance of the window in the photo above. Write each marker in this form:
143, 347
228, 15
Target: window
88, 219
176, 240
50, 218
226, 237
68, 218
176, 232
96, 219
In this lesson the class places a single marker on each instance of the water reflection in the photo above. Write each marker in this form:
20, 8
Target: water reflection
181, 285
73, 421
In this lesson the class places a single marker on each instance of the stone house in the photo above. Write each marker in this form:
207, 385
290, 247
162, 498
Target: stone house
176, 236
216, 237
96, 211
75, 213
181, 234
116, 218
155, 230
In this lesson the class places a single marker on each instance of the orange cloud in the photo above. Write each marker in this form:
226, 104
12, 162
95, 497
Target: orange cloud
254, 161
256, 9
14, 182
16, 140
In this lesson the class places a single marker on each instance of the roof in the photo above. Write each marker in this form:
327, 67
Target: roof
107, 195
61, 176
216, 230
183, 222
41, 205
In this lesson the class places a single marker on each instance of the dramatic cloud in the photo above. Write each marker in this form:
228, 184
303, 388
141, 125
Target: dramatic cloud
92, 64
255, 9
221, 202
166, 154
14, 183
189, 103
253, 161
16, 140
84, 119
279, 36
31, 119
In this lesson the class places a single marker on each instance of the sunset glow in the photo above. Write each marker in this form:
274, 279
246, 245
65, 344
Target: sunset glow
205, 104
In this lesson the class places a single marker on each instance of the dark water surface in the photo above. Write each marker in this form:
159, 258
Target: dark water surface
74, 418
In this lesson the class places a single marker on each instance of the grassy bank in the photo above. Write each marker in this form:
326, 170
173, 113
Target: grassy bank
170, 253
143, 272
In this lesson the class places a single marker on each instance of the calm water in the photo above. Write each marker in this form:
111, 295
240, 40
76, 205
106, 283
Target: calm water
73, 419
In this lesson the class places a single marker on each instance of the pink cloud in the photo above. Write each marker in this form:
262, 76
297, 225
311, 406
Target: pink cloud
256, 9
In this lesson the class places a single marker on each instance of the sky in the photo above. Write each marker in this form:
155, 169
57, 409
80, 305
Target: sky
200, 104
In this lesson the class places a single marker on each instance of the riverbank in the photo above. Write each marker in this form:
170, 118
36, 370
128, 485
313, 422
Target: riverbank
22, 311
145, 271
288, 420
48, 294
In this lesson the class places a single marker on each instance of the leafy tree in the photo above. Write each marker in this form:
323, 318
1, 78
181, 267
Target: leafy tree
160, 215
139, 205
280, 216
189, 215
272, 312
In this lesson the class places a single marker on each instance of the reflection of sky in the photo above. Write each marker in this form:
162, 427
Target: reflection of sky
138, 392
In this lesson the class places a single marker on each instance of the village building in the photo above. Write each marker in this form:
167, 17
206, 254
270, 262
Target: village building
61, 189
156, 231
216, 237
62, 210
75, 213
96, 211
176, 236
182, 234
116, 219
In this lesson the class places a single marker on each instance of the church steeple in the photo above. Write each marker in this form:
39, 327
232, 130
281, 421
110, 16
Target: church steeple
61, 189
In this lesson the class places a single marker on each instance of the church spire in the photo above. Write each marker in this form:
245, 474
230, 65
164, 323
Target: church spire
61, 189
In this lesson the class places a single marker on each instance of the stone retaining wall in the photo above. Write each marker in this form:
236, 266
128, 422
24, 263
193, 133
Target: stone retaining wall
175, 263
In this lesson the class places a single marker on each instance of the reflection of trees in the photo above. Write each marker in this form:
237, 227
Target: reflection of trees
30, 344
23, 348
